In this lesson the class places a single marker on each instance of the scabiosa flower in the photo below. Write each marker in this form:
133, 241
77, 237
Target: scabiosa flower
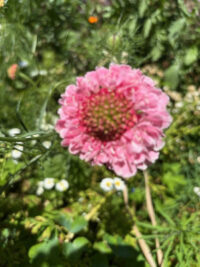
115, 117
48, 183
107, 184
118, 184
62, 185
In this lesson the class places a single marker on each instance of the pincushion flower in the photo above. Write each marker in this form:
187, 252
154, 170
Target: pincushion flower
115, 117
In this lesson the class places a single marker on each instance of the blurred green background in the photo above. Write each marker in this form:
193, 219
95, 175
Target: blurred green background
44, 46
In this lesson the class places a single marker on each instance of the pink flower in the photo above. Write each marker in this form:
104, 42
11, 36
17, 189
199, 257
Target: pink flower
12, 71
116, 117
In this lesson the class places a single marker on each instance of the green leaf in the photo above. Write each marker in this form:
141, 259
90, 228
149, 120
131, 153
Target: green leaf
175, 30
46, 233
132, 26
156, 52
191, 55
42, 248
102, 247
75, 249
173, 181
142, 7
147, 27
72, 225
150, 226
100, 260
172, 76
159, 208
78, 224
64, 220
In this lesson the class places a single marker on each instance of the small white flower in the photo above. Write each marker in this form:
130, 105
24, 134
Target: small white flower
179, 105
119, 184
14, 131
197, 190
46, 144
62, 185
40, 191
49, 183
43, 72
34, 73
107, 184
198, 159
33, 142
17, 152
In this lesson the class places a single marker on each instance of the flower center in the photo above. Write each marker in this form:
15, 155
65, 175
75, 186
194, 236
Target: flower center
107, 115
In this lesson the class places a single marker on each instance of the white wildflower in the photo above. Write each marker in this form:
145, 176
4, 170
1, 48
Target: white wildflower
46, 144
49, 183
43, 72
34, 73
179, 105
107, 184
62, 185
119, 184
17, 151
14, 131
197, 190
39, 191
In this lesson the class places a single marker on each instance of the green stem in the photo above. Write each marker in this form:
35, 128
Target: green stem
24, 139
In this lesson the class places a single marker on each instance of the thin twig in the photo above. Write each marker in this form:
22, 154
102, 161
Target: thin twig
143, 245
152, 216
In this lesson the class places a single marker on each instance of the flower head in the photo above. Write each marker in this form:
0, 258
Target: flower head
46, 144
14, 131
119, 184
93, 19
12, 71
62, 185
107, 184
116, 117
48, 183
17, 151
39, 191
196, 190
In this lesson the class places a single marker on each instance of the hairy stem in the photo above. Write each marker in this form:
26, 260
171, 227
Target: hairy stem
143, 245
152, 216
